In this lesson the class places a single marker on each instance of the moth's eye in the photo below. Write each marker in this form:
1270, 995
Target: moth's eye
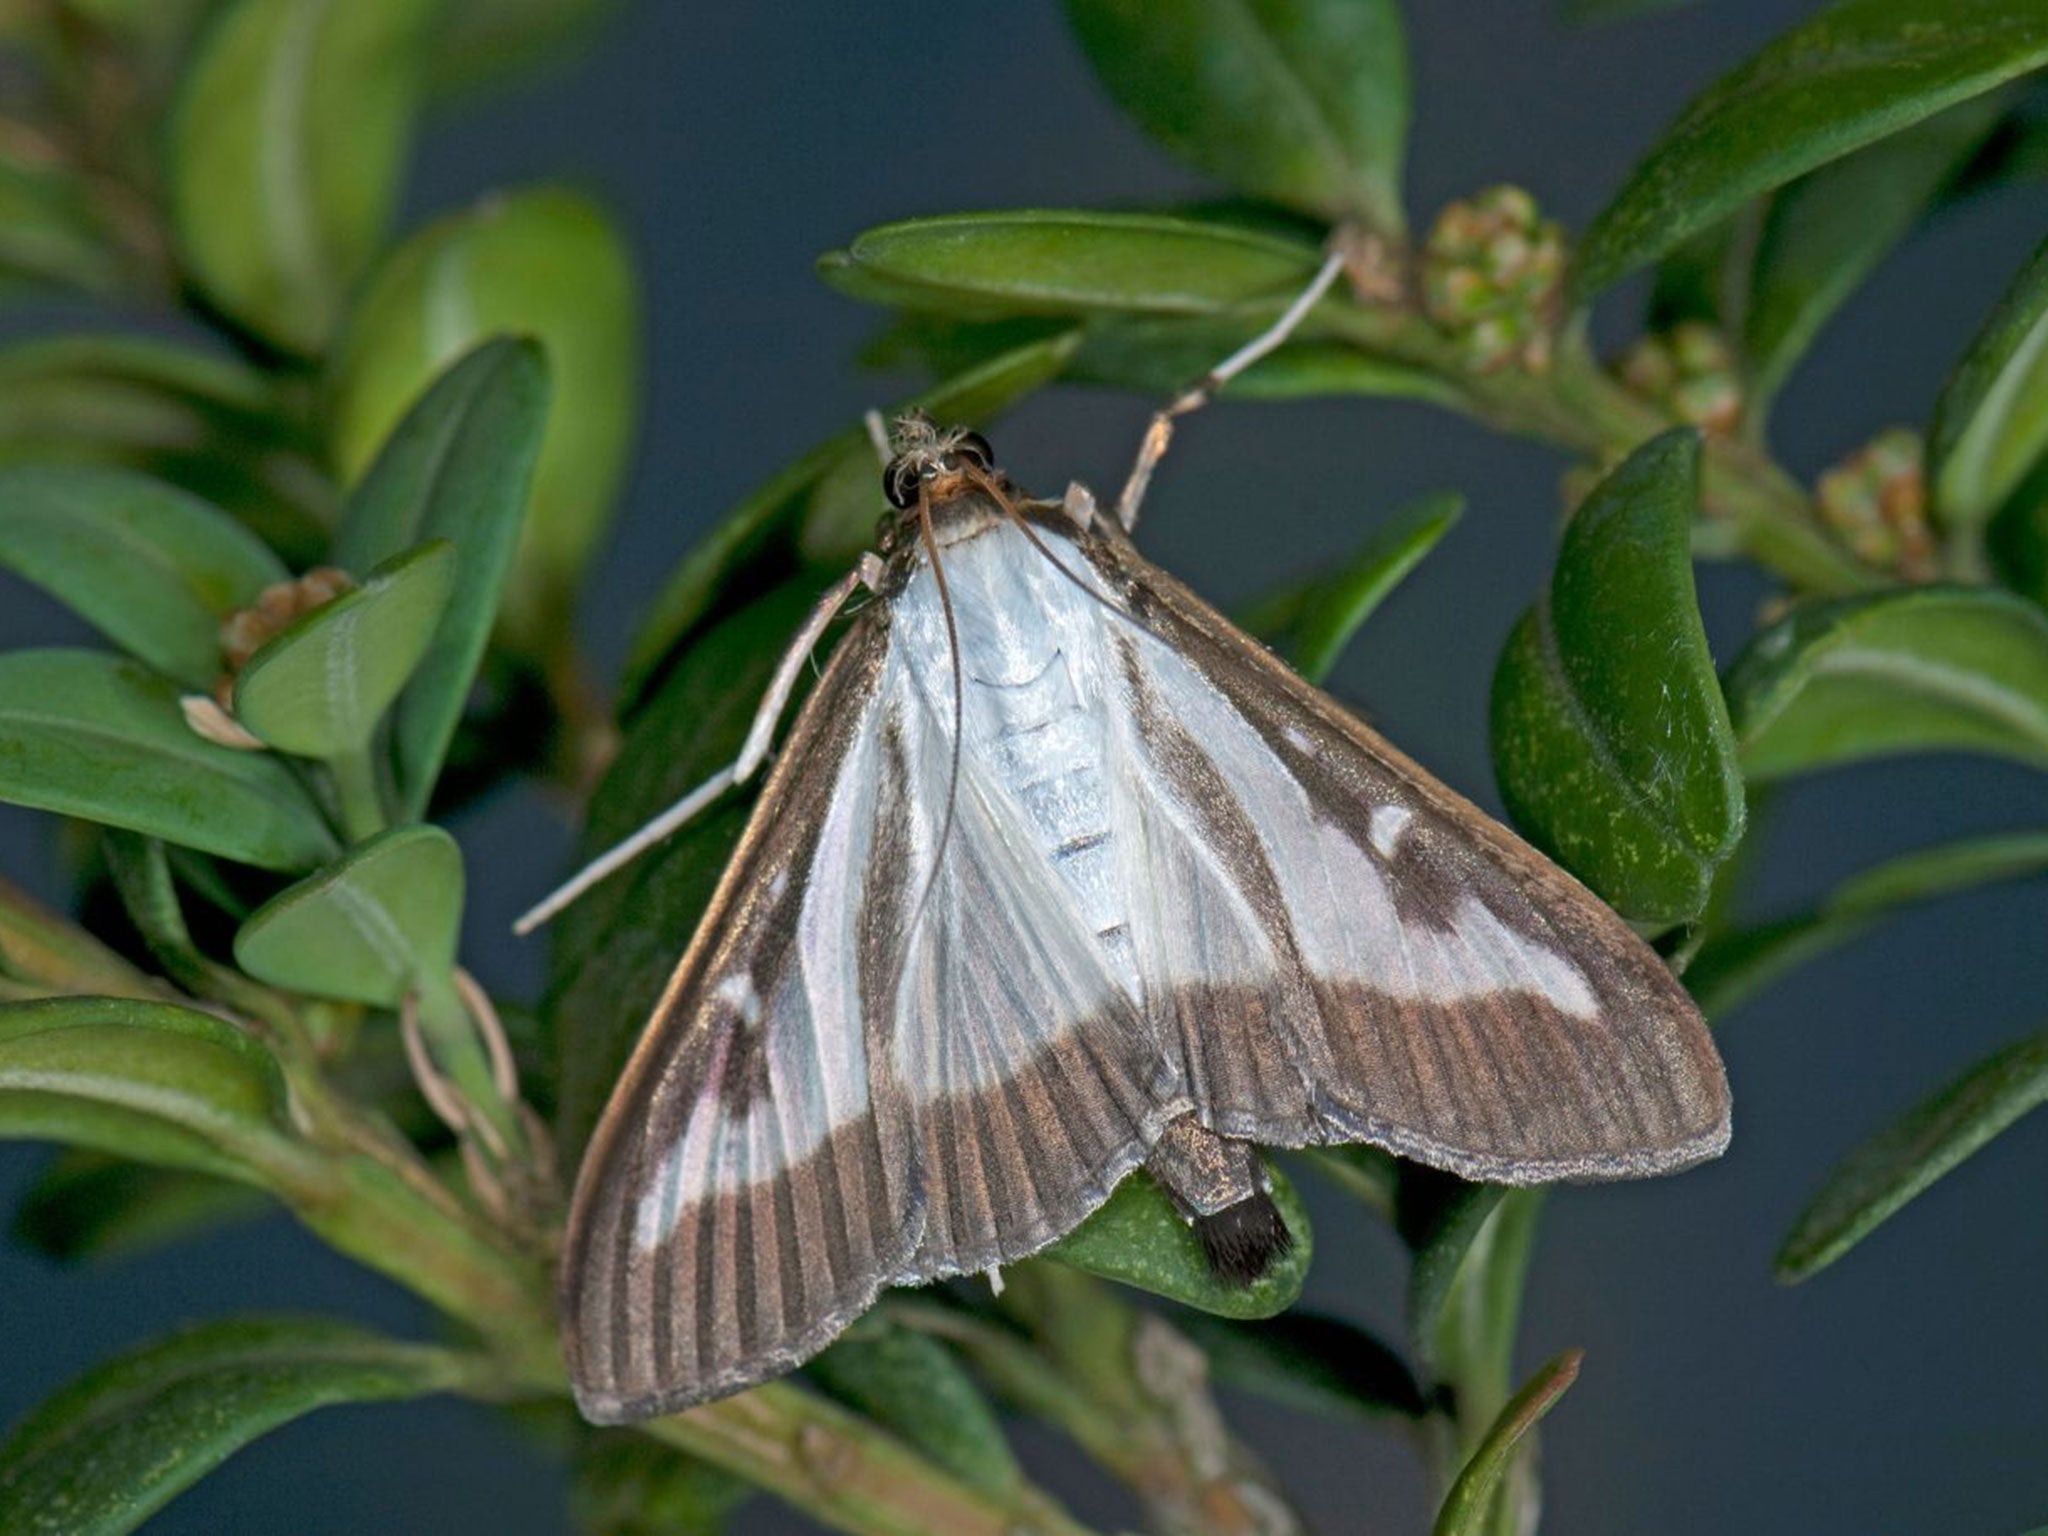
974, 448
899, 483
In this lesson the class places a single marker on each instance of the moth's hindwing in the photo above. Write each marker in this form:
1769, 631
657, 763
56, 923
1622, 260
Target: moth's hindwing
1340, 948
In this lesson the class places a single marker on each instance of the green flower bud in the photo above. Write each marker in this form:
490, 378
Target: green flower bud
1875, 502
1688, 371
1492, 276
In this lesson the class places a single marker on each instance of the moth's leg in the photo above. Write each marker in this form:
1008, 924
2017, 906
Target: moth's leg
753, 752
1220, 1190
1079, 505
1160, 434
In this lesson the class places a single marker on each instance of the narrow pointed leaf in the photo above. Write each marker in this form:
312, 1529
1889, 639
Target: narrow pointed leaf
1610, 738
1466, 1508
456, 468
148, 1081
1071, 263
1733, 966
625, 1485
287, 149
89, 1207
92, 735
1300, 102
1855, 73
370, 927
153, 569
205, 423
49, 233
1439, 1217
1313, 622
612, 951
1869, 1186
1139, 1238
915, 1386
1926, 669
1160, 356
1305, 1360
817, 503
1991, 423
319, 688
1826, 232
544, 263
110, 1450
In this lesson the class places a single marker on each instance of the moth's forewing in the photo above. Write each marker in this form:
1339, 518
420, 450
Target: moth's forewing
750, 1186
1341, 948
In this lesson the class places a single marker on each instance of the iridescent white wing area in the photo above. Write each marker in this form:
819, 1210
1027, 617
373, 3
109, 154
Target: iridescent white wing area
1339, 948
751, 1185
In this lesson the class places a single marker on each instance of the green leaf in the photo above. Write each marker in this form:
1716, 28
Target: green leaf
370, 927
1826, 232
1313, 622
625, 1485
2016, 540
915, 1387
1923, 669
1138, 1237
1733, 966
319, 688
545, 263
1880, 1176
49, 231
89, 1207
151, 568
1301, 102
1162, 356
1439, 1217
1991, 422
456, 468
287, 146
818, 503
107, 1452
1071, 263
148, 1081
92, 735
613, 950
1857, 72
208, 424
1610, 738
1468, 1506
1305, 1360
480, 40
2016, 155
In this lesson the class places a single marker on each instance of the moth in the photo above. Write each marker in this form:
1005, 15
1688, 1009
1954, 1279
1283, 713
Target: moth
1059, 874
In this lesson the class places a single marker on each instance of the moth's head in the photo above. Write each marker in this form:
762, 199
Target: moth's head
940, 467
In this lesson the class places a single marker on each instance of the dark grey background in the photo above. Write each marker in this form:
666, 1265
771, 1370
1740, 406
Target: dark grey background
1906, 1391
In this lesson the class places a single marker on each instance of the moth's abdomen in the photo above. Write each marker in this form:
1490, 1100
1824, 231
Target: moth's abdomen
1047, 749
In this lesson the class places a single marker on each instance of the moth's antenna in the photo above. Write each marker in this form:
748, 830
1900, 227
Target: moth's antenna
931, 542
868, 573
1204, 389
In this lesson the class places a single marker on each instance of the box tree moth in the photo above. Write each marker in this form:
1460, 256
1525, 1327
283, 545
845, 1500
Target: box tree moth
1058, 875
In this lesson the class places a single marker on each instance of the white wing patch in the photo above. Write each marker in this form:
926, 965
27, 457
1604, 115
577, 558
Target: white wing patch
813, 1053
1340, 898
1388, 823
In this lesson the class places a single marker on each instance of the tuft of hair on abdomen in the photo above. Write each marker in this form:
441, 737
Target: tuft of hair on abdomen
1243, 1241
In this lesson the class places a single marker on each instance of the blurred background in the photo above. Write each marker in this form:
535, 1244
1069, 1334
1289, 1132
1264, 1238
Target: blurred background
1905, 1390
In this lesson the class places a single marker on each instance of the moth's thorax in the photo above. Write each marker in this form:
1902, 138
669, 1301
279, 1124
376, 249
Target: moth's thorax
1033, 710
